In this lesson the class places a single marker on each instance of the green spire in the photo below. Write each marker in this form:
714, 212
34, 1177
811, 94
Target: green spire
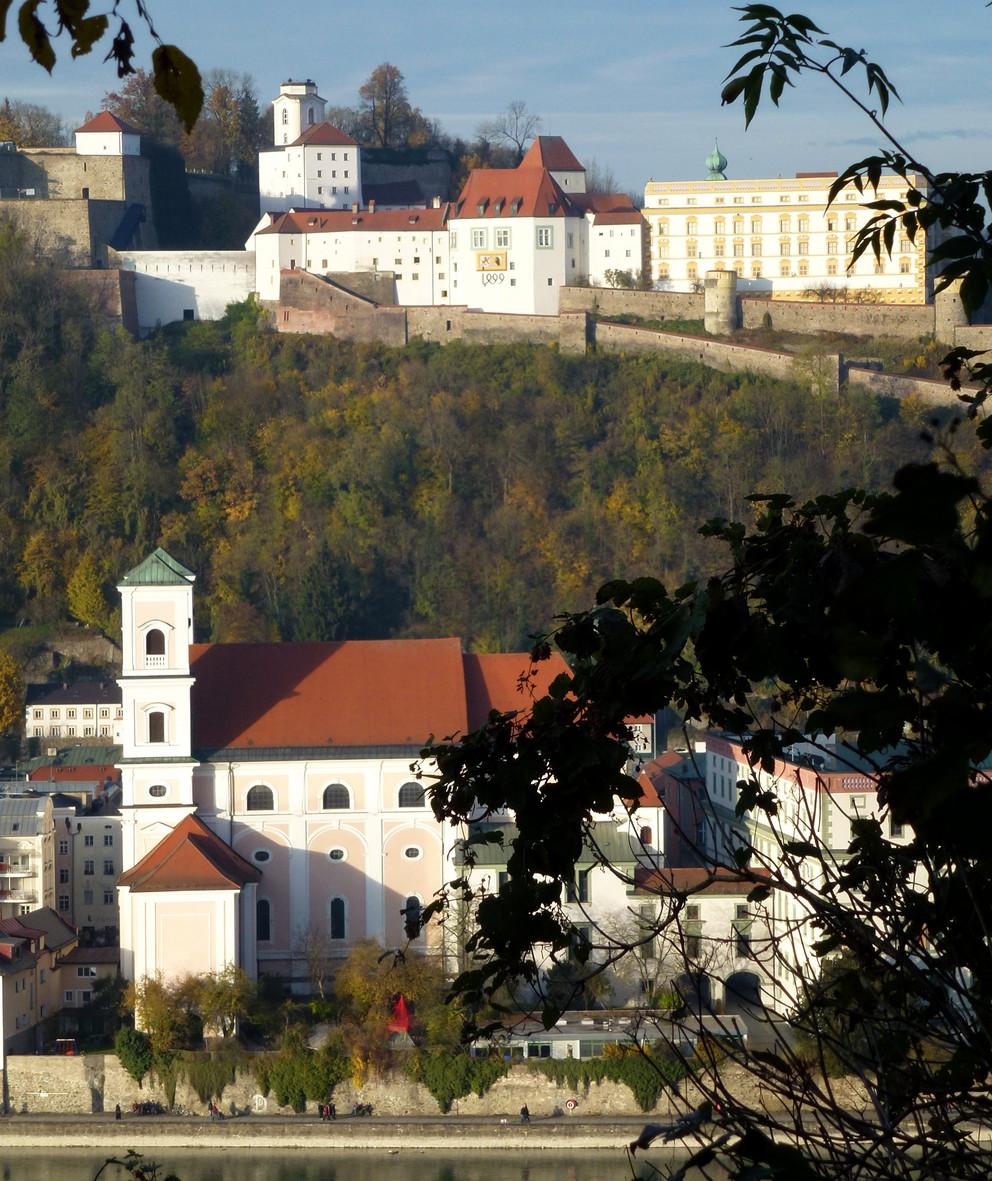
158, 569
716, 162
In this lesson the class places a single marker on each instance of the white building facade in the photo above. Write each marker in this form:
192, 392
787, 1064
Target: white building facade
782, 236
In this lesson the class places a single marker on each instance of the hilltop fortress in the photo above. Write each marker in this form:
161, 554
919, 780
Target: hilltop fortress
525, 253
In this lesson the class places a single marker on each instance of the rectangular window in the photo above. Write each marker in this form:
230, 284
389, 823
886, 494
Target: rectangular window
68, 996
70, 713
545, 237
108, 840
501, 238
108, 866
63, 848
86, 971
480, 237
108, 898
578, 889
89, 868
63, 876
88, 840
85, 996
63, 903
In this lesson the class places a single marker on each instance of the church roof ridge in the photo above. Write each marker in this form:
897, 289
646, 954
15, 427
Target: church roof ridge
160, 568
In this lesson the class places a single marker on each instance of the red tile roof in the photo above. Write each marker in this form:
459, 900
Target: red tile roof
325, 135
191, 857
693, 881
513, 192
336, 221
105, 121
551, 152
618, 217
492, 681
355, 693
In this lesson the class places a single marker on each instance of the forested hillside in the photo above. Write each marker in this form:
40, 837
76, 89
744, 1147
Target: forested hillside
325, 490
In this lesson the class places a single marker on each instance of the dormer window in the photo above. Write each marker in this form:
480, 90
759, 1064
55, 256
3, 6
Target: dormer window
482, 206
515, 205
498, 206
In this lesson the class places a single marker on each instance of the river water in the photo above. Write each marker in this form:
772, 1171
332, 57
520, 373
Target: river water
327, 1165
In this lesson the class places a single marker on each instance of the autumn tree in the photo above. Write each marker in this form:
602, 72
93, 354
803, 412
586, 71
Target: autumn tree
388, 119
31, 126
85, 594
11, 694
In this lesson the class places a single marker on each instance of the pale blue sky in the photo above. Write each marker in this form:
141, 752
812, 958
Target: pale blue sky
633, 84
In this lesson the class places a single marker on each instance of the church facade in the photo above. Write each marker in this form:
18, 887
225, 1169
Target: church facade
268, 801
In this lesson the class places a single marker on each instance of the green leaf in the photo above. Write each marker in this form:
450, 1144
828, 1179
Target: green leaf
177, 80
35, 35
88, 33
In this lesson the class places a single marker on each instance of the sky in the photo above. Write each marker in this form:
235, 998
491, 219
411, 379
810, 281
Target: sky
632, 84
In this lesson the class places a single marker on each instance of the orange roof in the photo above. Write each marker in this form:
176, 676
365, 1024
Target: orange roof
336, 221
551, 152
718, 880
105, 121
618, 217
492, 681
513, 192
325, 135
191, 857
354, 693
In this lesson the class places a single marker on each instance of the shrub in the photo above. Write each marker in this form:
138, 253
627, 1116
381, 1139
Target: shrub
134, 1052
450, 1076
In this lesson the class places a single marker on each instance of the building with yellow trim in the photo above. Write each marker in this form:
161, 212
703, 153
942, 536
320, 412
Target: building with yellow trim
780, 235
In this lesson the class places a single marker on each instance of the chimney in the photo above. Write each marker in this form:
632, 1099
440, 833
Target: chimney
372, 205
435, 202
354, 207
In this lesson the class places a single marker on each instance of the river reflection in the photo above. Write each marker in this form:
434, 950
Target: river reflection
328, 1165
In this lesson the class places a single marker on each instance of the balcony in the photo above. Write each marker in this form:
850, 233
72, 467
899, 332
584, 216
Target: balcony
154, 661
15, 869
18, 896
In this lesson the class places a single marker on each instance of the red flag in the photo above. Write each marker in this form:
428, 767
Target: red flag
399, 1022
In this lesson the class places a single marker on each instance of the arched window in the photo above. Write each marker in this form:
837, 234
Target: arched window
156, 726
336, 919
263, 924
411, 795
155, 642
336, 795
310, 116
260, 798
411, 917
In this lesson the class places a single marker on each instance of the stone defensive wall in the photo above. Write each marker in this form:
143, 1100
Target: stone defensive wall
93, 1083
648, 305
903, 321
715, 354
112, 292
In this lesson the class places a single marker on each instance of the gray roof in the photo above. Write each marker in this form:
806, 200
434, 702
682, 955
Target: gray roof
158, 569
21, 816
106, 692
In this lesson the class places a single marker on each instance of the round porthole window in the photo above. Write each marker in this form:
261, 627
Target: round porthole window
157, 791
412, 852
337, 854
261, 855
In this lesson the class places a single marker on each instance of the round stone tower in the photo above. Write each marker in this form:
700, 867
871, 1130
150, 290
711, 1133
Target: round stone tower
720, 315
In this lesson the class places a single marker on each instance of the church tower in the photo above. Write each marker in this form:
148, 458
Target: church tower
156, 688
298, 108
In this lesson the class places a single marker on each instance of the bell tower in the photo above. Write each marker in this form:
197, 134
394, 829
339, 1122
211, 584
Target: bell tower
156, 688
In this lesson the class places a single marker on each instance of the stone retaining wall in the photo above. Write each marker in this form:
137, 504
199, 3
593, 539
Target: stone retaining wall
94, 1083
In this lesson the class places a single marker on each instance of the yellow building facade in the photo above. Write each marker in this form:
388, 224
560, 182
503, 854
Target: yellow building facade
781, 236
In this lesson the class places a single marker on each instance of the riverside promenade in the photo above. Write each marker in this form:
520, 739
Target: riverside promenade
307, 1133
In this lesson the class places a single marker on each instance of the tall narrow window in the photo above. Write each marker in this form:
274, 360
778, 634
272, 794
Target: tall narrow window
156, 726
260, 798
337, 919
263, 926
